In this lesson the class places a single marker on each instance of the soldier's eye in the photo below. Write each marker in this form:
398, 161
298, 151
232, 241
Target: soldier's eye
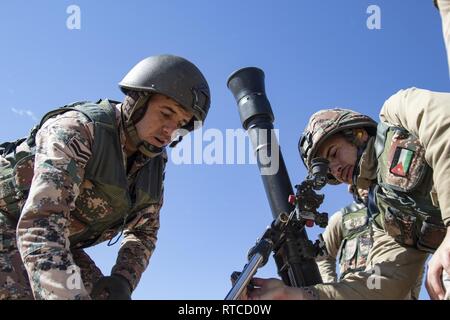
332, 152
166, 114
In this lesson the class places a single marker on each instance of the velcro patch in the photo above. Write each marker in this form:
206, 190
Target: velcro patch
401, 162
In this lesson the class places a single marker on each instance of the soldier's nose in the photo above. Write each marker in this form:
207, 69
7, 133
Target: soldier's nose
335, 169
169, 128
332, 166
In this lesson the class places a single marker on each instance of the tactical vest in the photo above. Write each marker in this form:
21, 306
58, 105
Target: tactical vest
357, 239
105, 174
405, 195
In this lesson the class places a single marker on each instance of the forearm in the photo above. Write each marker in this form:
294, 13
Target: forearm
391, 273
327, 269
43, 228
332, 237
137, 247
48, 260
44, 246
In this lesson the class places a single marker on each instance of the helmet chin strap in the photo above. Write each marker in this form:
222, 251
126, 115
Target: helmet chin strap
356, 136
360, 151
149, 150
174, 143
144, 147
366, 171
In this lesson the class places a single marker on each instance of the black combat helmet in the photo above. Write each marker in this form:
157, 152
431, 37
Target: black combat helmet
172, 76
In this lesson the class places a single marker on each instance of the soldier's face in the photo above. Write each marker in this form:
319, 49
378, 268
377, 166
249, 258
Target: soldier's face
162, 118
342, 157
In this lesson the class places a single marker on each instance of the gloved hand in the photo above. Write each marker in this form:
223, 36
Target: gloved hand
116, 287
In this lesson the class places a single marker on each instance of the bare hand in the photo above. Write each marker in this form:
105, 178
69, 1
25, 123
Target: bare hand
439, 262
274, 289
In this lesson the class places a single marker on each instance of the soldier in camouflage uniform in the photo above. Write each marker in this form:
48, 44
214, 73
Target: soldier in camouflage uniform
346, 230
404, 163
348, 237
90, 172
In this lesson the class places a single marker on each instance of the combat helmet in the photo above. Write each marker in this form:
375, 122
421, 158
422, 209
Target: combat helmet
324, 124
172, 76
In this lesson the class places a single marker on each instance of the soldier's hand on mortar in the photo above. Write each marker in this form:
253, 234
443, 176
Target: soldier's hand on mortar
234, 276
439, 262
275, 289
116, 286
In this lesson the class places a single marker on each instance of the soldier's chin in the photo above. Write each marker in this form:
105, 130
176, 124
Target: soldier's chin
156, 143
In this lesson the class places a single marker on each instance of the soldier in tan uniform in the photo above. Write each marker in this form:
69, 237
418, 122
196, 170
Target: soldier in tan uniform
444, 9
88, 173
405, 164
348, 239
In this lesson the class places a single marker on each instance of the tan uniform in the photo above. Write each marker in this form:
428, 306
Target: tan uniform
444, 9
425, 114
391, 273
333, 238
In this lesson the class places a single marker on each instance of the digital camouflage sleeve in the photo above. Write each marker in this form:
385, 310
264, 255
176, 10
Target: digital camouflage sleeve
63, 148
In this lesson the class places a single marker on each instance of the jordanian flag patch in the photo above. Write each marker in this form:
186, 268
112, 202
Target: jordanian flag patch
401, 162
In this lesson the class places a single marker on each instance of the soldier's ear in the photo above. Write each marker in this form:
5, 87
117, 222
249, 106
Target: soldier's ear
361, 136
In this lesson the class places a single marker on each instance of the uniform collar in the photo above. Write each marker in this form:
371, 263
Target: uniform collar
367, 168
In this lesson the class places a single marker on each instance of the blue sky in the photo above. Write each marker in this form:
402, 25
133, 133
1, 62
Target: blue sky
315, 54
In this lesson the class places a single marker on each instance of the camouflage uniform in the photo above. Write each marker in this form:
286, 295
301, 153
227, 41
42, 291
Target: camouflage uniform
417, 113
52, 230
14, 282
444, 10
350, 240
71, 184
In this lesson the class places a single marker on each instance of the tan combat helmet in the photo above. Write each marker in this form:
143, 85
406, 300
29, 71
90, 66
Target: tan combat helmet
324, 124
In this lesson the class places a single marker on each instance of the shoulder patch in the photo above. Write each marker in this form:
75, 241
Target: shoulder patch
79, 150
401, 161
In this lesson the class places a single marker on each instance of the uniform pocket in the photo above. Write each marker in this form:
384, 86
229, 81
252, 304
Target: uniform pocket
7, 235
23, 173
14, 186
9, 199
400, 226
365, 244
431, 236
348, 255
